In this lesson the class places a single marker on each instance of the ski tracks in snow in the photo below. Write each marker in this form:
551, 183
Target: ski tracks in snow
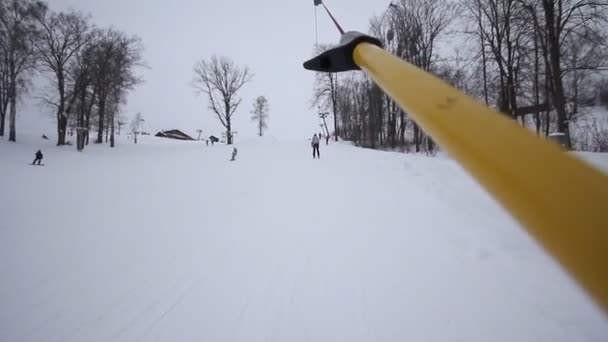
360, 246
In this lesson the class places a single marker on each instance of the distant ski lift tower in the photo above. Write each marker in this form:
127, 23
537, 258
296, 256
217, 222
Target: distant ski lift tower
323, 116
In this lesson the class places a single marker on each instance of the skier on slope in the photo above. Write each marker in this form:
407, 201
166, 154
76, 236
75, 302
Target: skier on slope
234, 152
38, 159
315, 147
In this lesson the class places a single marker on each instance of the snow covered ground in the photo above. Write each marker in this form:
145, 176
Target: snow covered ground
169, 241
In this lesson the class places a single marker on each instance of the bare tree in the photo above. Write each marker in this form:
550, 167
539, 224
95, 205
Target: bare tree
503, 29
4, 78
562, 19
584, 56
80, 72
259, 113
411, 30
103, 77
126, 58
221, 79
17, 32
100, 76
513, 50
61, 37
115, 59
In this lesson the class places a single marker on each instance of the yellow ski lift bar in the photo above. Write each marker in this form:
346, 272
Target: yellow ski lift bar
560, 200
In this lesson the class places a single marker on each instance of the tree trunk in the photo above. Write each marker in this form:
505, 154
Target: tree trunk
392, 123
101, 121
547, 122
112, 134
62, 119
80, 131
333, 86
402, 124
417, 137
547, 86
88, 117
372, 124
4, 100
2, 123
560, 107
547, 93
430, 144
228, 131
575, 83
483, 58
80, 134
511, 94
536, 80
261, 126
12, 134
108, 132
559, 100
88, 127
336, 130
62, 125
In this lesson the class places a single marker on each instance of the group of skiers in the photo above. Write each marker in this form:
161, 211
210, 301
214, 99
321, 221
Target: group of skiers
316, 141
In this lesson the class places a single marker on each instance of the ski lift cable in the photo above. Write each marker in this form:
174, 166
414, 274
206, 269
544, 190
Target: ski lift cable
320, 2
316, 29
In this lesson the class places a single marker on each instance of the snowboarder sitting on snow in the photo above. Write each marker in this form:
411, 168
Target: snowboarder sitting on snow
234, 152
38, 158
315, 146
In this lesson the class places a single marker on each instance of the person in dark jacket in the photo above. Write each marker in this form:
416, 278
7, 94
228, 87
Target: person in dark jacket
315, 147
38, 159
234, 152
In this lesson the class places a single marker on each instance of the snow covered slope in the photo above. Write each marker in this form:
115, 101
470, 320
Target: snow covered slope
169, 241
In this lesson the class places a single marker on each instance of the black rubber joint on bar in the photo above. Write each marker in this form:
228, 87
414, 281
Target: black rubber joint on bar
340, 58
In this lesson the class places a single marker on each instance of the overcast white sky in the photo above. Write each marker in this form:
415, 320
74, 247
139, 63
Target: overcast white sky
272, 37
